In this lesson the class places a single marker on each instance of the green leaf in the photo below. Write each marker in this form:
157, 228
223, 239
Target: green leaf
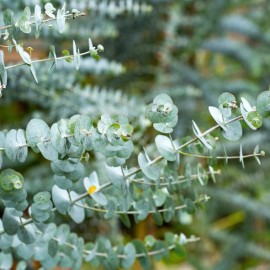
11, 146
24, 251
82, 129
24, 55
152, 171
62, 233
217, 115
49, 10
15, 145
112, 260
62, 182
125, 219
2, 145
162, 99
169, 206
38, 20
37, 131
187, 173
246, 105
24, 24
32, 69
251, 117
160, 245
67, 54
190, 206
157, 218
115, 175
24, 21
143, 260
202, 177
77, 173
163, 111
226, 103
130, 256
126, 150
65, 261
42, 197
41, 251
76, 55
59, 136
26, 234
255, 119
23, 150
10, 220
21, 265
200, 137
3, 72
169, 238
47, 150
182, 239
263, 104
233, 132
53, 54
50, 262
67, 166
149, 241
42, 207
11, 180
241, 159
6, 261
8, 18
256, 151
212, 173
61, 19
77, 213
52, 247
60, 199
159, 198
48, 231
111, 208
38, 214
91, 252
142, 206
165, 147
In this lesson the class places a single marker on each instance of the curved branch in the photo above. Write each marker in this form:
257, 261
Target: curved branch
261, 154
203, 198
47, 60
67, 16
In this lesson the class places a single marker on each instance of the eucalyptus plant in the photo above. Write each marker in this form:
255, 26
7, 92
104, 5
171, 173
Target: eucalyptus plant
136, 183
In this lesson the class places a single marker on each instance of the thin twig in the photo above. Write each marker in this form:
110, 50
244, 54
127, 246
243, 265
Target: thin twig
46, 60
67, 16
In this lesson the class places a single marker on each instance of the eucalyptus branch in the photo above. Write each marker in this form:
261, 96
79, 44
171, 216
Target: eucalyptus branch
149, 253
47, 60
67, 17
84, 195
203, 198
159, 158
122, 256
184, 179
261, 154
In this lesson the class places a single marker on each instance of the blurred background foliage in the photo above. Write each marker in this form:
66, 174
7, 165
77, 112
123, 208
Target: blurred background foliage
192, 50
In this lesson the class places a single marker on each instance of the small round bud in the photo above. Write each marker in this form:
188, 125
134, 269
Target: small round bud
74, 10
100, 48
262, 153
